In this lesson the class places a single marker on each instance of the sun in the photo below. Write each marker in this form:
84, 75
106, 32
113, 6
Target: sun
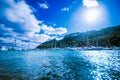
92, 15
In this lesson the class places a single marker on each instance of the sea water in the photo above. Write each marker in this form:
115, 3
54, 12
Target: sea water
60, 65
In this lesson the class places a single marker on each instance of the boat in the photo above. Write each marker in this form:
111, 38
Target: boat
3, 48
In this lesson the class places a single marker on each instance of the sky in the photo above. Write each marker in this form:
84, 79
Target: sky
27, 23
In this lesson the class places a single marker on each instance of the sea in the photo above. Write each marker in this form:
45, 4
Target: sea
60, 64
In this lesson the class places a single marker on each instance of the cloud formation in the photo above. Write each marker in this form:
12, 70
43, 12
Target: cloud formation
43, 5
53, 31
90, 3
18, 16
65, 9
18, 23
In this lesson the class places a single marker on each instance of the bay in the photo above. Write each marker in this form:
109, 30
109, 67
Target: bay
60, 64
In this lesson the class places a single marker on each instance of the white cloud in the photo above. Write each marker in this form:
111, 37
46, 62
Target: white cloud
2, 26
53, 31
41, 37
7, 40
90, 3
65, 9
18, 23
25, 41
43, 5
6, 31
20, 14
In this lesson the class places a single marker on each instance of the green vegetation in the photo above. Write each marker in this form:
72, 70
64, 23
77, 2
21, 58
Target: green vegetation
106, 37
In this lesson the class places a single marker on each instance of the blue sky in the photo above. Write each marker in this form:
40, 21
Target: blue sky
31, 22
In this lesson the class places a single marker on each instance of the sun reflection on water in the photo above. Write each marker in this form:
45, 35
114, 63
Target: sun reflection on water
104, 63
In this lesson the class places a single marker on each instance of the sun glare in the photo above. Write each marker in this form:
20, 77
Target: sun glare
92, 15
92, 18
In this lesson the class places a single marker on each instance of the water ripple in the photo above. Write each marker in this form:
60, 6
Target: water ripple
59, 65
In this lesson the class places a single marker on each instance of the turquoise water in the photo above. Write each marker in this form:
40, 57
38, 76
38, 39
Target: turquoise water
60, 65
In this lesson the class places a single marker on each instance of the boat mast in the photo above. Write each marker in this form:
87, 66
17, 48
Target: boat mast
88, 43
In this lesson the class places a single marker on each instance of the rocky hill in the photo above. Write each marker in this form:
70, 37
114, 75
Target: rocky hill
106, 37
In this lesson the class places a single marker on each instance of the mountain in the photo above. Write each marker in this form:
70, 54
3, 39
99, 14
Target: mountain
106, 37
